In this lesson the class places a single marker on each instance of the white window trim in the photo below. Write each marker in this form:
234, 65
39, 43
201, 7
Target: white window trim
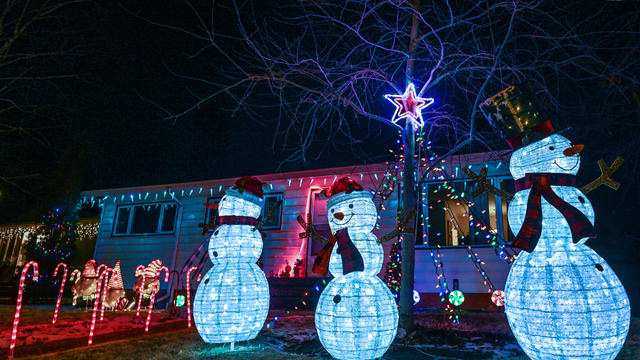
132, 211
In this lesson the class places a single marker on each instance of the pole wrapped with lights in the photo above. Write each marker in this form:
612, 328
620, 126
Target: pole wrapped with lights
62, 282
16, 317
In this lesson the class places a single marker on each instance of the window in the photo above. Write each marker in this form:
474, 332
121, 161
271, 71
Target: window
271, 200
211, 212
454, 218
151, 218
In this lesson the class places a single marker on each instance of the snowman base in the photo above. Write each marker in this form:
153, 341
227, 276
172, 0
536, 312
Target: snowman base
231, 303
566, 303
356, 317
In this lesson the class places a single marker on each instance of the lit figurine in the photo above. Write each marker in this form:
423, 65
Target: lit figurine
356, 316
232, 299
562, 300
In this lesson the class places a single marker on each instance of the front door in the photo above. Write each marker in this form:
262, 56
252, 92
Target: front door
318, 208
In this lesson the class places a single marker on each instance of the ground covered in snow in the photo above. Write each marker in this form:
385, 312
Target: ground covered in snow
478, 336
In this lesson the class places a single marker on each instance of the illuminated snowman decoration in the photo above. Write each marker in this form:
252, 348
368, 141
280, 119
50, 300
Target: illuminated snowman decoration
562, 299
232, 299
356, 316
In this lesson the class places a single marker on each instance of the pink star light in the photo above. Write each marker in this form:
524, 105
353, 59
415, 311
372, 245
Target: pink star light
409, 106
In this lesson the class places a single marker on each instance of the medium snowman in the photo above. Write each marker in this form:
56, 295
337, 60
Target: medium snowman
356, 316
232, 299
562, 299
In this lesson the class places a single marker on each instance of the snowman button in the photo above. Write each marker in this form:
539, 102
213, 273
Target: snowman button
337, 298
215, 253
599, 267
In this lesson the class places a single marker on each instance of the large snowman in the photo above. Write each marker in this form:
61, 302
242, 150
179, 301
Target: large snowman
356, 316
562, 300
232, 299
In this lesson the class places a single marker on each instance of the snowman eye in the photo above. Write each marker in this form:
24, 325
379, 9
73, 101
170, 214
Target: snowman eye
332, 210
350, 206
551, 148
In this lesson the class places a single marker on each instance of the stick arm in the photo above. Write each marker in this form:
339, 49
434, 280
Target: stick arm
310, 231
400, 228
605, 176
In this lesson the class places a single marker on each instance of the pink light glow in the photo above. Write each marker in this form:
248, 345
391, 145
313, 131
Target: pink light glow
189, 294
153, 296
64, 278
409, 106
16, 317
96, 302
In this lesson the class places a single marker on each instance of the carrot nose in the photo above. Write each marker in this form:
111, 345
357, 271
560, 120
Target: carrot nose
338, 215
573, 150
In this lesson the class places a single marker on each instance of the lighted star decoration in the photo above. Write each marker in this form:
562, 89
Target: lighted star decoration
409, 106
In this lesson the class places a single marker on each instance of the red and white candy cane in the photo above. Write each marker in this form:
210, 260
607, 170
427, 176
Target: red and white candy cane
105, 289
189, 294
75, 275
153, 296
16, 317
64, 279
96, 303
100, 268
140, 272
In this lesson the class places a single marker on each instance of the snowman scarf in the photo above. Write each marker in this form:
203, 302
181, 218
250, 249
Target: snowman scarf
540, 185
351, 257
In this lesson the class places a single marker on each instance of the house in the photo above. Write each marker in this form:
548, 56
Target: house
453, 242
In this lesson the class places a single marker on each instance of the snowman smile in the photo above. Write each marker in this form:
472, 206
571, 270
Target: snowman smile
343, 222
566, 169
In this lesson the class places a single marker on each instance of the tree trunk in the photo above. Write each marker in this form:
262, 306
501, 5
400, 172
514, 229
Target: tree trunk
408, 201
408, 236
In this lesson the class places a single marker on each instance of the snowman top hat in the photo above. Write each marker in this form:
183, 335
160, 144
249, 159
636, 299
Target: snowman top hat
248, 188
515, 112
344, 188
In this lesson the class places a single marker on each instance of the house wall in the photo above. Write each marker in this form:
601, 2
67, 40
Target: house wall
280, 246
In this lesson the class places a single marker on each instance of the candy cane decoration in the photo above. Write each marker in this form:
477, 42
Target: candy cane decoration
189, 294
153, 296
16, 317
75, 275
105, 288
64, 278
96, 303
101, 267
139, 270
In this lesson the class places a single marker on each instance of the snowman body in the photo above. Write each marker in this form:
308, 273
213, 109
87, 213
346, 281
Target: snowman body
356, 316
232, 300
562, 300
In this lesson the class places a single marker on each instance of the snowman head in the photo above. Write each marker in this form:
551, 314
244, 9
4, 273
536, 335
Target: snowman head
243, 199
553, 154
351, 207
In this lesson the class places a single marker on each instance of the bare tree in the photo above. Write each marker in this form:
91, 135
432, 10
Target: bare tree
29, 41
321, 69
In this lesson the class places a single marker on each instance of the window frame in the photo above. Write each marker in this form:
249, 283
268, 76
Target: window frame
279, 196
496, 181
210, 200
132, 211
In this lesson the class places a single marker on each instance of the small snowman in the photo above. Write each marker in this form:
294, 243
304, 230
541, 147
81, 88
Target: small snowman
232, 299
562, 300
356, 316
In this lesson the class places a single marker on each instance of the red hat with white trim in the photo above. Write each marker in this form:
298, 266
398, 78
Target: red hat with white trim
345, 188
248, 188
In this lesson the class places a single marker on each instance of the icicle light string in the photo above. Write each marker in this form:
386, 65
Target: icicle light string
62, 282
16, 317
